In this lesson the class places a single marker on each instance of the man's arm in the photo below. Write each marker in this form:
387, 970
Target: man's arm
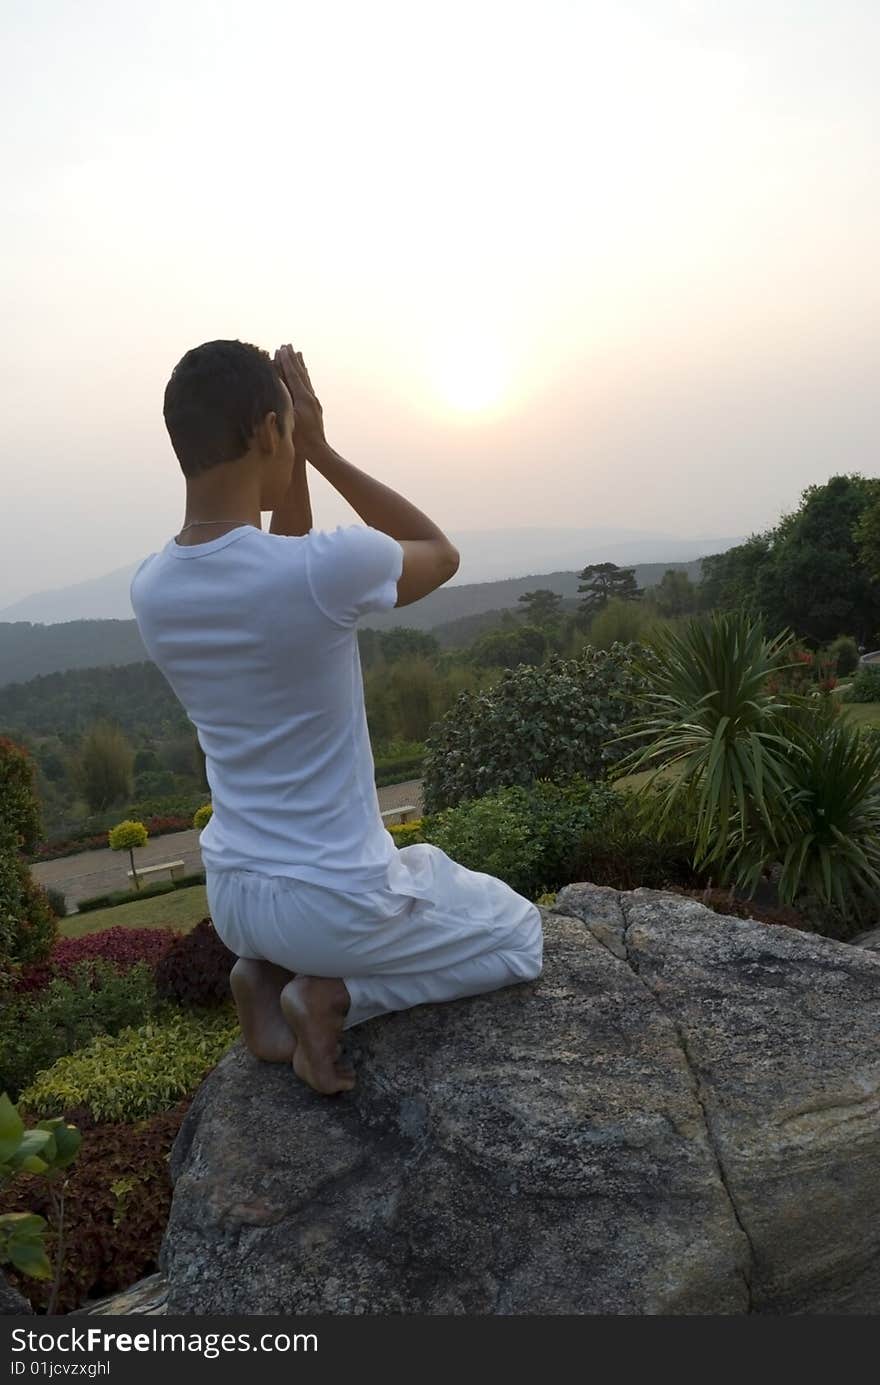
294, 515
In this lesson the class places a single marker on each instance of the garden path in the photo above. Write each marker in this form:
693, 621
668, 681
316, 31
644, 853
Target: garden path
96, 872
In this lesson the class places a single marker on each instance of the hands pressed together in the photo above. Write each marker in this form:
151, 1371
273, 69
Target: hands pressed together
308, 414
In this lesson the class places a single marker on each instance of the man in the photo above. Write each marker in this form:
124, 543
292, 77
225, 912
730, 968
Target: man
255, 631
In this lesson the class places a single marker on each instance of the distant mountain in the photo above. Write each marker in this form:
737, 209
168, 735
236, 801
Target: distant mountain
457, 614
487, 555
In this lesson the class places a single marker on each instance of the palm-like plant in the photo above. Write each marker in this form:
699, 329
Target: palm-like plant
829, 841
711, 719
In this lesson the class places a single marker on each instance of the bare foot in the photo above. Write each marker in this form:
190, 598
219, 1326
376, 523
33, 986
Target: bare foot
315, 1008
256, 989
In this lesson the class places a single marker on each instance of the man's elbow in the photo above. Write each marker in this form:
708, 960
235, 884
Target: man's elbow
452, 560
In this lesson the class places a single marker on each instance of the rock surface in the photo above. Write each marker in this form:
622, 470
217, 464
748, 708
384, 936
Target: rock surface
12, 1303
680, 1116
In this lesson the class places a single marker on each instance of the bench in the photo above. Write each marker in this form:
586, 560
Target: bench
177, 869
404, 811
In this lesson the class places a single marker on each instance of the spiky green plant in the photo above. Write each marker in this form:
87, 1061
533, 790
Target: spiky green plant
716, 732
829, 841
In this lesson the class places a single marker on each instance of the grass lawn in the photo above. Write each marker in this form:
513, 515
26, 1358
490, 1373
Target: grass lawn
180, 909
865, 713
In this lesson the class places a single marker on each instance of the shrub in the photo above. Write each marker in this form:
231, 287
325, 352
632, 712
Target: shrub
202, 816
407, 833
829, 842
629, 847
123, 948
709, 718
47, 1151
116, 1207
865, 687
546, 722
96, 999
528, 836
28, 926
195, 971
138, 1071
57, 902
845, 653
116, 897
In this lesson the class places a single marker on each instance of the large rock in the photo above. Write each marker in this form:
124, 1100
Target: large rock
12, 1303
679, 1117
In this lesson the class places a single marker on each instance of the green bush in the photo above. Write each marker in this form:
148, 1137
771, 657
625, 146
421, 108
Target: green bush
116, 1204
137, 1072
629, 848
528, 836
865, 686
110, 901
406, 833
39, 1029
57, 902
28, 925
47, 1151
546, 722
845, 653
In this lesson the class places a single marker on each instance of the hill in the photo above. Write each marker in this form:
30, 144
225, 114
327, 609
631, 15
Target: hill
456, 614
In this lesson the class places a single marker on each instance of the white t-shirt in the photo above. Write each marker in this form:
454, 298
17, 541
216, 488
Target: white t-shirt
256, 634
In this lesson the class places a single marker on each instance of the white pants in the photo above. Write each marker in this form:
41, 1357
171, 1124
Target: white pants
437, 932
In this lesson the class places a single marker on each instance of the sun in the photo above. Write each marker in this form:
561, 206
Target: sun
469, 375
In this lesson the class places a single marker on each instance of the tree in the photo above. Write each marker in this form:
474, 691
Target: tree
508, 648
867, 538
676, 594
815, 580
125, 836
601, 582
728, 581
541, 607
105, 767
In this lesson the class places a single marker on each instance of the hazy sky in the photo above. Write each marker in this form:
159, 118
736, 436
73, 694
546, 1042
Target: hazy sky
556, 264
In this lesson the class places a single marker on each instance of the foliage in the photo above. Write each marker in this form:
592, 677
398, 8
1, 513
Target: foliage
202, 816
808, 573
710, 718
121, 947
603, 581
866, 534
28, 925
20, 823
729, 581
138, 1071
195, 969
621, 622
675, 594
56, 901
103, 768
541, 607
126, 835
507, 648
829, 840
865, 687
845, 653
407, 833
635, 846
534, 723
94, 999
48, 1149
527, 836
117, 1201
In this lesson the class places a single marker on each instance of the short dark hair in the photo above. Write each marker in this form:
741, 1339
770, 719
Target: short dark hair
217, 394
